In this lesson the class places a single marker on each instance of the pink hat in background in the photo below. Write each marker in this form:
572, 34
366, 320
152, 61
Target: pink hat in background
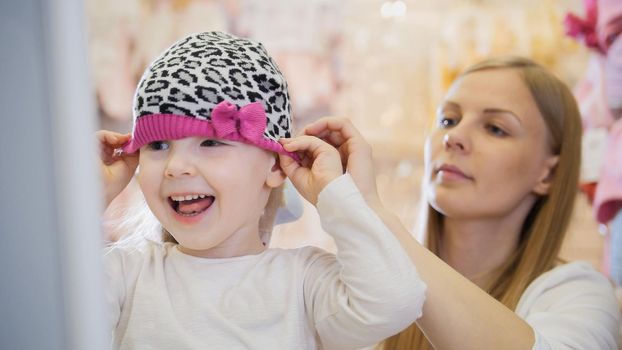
609, 23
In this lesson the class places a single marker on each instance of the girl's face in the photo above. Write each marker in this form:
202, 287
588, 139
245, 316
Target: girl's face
209, 194
488, 153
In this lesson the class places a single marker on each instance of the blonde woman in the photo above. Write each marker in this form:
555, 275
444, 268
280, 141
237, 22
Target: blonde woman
502, 166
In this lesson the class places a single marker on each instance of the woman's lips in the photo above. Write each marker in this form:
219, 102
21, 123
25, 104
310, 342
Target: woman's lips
451, 172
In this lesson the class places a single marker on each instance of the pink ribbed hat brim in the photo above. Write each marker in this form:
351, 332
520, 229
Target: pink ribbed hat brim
160, 127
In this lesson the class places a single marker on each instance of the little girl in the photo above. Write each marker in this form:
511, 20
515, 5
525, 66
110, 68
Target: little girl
208, 116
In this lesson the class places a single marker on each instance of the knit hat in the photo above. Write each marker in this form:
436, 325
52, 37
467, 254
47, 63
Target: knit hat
212, 84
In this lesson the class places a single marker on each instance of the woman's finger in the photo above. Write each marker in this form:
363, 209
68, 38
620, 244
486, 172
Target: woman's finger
288, 164
320, 164
341, 126
307, 145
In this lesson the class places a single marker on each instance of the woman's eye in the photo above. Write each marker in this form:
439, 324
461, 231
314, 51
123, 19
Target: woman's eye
445, 122
158, 145
211, 143
497, 131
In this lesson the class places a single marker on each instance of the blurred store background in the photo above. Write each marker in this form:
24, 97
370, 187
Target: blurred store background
383, 64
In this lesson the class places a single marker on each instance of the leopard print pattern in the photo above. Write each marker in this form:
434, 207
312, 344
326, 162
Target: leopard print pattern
195, 74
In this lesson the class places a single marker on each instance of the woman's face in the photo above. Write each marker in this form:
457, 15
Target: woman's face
488, 153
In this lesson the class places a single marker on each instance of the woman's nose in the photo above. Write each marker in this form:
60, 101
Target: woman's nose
453, 140
179, 164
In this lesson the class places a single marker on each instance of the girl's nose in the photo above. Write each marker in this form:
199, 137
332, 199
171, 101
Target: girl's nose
179, 164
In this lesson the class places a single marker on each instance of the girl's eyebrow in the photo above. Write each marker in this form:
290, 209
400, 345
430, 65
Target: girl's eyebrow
502, 111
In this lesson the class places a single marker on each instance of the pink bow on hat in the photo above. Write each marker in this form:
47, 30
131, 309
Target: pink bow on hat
249, 122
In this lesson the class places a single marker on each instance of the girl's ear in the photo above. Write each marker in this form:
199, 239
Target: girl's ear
544, 182
276, 176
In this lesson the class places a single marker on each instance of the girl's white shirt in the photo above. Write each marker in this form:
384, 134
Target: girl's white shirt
306, 298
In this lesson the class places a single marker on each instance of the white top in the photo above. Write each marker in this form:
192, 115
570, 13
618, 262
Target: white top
300, 298
571, 307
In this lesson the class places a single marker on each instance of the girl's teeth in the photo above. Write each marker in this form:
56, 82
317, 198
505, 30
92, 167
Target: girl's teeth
188, 197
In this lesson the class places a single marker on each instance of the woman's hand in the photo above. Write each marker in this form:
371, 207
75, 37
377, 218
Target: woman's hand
356, 153
117, 168
320, 164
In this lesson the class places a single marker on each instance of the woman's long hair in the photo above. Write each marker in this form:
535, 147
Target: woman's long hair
545, 226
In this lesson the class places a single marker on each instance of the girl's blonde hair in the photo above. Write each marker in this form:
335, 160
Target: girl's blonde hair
545, 226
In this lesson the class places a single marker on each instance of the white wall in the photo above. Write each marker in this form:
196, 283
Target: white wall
50, 266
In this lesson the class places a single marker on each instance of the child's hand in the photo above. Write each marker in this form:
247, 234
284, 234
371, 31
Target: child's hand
117, 170
356, 153
320, 164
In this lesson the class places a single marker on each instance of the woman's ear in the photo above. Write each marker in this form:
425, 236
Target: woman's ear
546, 178
276, 176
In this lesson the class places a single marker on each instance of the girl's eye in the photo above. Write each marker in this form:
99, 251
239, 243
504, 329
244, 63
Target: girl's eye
446, 122
158, 146
211, 143
497, 131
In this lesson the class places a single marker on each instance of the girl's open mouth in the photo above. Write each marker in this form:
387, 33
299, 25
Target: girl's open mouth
191, 205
